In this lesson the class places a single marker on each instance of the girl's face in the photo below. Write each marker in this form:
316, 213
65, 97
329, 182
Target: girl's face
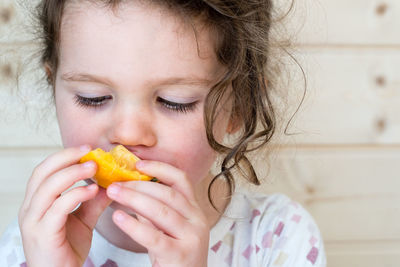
138, 77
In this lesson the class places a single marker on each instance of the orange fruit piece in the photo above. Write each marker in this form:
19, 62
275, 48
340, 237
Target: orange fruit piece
118, 165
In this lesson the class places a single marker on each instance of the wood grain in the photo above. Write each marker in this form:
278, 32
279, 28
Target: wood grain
345, 23
341, 161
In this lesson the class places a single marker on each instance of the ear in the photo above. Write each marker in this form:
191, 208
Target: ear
233, 125
49, 72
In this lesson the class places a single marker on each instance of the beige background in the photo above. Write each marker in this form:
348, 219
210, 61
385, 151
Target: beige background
344, 164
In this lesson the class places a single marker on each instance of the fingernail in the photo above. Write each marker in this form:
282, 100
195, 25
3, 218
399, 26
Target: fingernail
85, 148
113, 189
140, 164
89, 164
91, 187
119, 217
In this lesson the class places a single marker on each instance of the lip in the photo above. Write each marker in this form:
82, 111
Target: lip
138, 151
142, 152
147, 153
132, 149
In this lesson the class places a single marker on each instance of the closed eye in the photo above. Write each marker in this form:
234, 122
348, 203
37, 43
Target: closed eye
91, 101
177, 107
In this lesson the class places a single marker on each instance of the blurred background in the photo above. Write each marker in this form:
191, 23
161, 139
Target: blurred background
343, 164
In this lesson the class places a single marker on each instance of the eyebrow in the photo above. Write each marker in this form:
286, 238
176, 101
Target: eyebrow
86, 77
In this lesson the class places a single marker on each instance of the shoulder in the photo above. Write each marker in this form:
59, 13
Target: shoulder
267, 208
283, 230
11, 250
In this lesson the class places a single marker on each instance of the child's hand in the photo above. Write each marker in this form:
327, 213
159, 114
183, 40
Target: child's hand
170, 223
51, 234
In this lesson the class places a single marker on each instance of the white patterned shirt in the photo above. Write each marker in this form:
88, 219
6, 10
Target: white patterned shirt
256, 230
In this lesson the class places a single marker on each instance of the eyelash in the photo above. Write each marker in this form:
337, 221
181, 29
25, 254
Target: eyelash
177, 107
91, 101
99, 101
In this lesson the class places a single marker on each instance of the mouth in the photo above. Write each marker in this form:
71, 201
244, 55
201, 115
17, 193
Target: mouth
135, 151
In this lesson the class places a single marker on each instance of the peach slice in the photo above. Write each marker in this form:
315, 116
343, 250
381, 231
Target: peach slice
118, 165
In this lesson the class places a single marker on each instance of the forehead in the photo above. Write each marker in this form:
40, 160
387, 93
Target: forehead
135, 38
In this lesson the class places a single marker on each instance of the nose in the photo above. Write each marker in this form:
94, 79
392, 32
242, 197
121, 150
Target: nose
132, 127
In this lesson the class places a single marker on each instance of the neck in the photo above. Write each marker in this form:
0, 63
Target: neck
114, 235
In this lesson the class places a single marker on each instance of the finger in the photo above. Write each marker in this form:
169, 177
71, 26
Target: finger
52, 164
143, 233
166, 194
168, 175
161, 215
55, 185
90, 211
57, 215
143, 220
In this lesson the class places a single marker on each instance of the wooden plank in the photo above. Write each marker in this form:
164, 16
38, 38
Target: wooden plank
363, 254
359, 247
321, 22
16, 21
363, 260
366, 219
356, 22
352, 193
27, 114
332, 172
17, 166
352, 98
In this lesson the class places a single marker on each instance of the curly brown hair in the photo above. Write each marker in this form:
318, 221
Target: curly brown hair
243, 30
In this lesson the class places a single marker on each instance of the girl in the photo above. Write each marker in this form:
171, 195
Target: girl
168, 80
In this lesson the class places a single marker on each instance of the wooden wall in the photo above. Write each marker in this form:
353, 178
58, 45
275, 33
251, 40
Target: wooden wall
343, 164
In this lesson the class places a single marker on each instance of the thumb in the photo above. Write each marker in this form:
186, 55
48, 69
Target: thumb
90, 211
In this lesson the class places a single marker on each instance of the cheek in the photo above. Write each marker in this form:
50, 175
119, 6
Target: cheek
192, 152
195, 159
75, 129
73, 136
189, 151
